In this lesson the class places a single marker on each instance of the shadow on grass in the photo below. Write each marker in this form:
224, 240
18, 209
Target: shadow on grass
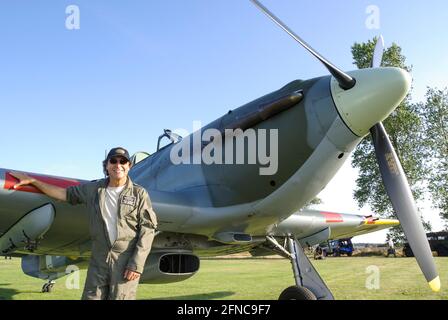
7, 293
202, 296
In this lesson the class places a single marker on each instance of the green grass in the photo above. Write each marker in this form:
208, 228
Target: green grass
400, 278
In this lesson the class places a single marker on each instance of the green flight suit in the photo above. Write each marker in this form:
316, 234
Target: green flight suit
136, 224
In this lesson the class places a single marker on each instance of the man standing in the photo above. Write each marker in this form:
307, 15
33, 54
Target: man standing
391, 248
122, 226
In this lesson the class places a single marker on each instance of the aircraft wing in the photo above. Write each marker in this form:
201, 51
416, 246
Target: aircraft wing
312, 226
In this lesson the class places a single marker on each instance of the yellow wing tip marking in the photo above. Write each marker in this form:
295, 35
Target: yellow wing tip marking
383, 222
435, 284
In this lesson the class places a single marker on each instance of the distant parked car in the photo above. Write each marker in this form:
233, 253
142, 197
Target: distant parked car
438, 241
335, 248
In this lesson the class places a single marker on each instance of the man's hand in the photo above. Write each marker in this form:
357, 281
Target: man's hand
131, 275
23, 179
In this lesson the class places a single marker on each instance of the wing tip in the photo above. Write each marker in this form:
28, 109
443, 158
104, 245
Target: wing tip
382, 222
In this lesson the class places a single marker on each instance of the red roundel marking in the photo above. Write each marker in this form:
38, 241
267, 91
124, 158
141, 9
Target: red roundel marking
370, 220
10, 181
332, 217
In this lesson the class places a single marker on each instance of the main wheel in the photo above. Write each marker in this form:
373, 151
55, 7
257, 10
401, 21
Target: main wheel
297, 293
47, 287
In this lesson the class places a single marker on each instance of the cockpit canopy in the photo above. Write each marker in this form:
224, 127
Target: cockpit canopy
139, 156
167, 138
171, 136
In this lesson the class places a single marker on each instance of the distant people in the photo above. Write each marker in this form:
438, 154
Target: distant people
391, 248
319, 253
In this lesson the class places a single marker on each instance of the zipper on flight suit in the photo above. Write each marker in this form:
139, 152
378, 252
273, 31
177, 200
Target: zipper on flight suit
97, 203
120, 197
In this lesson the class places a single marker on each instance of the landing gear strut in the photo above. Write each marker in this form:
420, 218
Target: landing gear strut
309, 285
48, 287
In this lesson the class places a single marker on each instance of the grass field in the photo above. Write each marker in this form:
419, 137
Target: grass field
399, 278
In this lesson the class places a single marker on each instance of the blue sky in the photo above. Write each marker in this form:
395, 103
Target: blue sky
131, 71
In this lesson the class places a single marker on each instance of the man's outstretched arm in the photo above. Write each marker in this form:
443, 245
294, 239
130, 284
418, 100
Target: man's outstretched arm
55, 192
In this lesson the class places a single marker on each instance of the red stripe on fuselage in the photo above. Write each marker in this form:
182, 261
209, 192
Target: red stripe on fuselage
10, 181
332, 217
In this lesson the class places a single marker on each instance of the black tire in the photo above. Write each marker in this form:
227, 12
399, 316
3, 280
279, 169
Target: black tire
297, 293
48, 287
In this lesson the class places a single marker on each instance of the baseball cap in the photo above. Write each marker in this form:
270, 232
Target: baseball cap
118, 152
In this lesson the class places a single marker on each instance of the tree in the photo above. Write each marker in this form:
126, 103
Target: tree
404, 127
435, 114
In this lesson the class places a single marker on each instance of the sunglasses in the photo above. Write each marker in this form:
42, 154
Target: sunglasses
121, 160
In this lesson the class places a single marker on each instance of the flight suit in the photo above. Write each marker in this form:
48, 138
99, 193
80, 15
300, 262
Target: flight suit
136, 224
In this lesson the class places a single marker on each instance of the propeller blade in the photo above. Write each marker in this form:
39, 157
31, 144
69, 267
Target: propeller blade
378, 53
345, 81
400, 194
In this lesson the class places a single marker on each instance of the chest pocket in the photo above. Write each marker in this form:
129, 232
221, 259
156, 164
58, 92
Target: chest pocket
128, 207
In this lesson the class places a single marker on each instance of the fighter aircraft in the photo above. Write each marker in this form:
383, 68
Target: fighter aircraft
215, 208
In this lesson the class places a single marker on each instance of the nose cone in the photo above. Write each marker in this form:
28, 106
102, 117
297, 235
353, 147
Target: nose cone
376, 94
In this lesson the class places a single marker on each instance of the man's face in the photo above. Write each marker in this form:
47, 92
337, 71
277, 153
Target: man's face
118, 167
